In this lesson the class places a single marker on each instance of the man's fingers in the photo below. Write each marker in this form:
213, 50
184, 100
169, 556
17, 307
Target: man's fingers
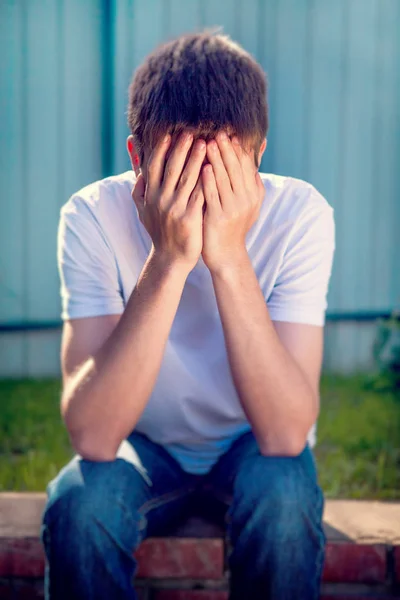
196, 199
220, 175
210, 188
155, 168
246, 161
138, 194
190, 174
260, 187
175, 163
231, 161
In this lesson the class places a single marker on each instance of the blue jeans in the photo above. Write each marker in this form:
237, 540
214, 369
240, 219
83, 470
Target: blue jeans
98, 513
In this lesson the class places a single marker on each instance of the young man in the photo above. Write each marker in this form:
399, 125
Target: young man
193, 339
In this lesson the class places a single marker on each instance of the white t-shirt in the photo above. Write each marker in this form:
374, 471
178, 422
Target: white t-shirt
194, 410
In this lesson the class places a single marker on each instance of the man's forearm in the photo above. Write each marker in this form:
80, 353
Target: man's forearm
104, 400
275, 395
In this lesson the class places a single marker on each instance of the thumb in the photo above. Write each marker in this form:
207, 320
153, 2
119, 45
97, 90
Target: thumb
138, 194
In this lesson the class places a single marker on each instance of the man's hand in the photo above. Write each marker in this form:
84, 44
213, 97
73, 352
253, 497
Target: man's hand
233, 192
170, 203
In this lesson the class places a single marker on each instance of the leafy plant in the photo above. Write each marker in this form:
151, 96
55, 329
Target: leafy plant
386, 352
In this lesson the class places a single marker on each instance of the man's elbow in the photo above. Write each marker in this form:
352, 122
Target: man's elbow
292, 440
88, 443
90, 449
290, 444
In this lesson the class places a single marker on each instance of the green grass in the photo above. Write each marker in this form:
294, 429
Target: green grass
33, 440
358, 450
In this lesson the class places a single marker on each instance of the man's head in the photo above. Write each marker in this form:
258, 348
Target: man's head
200, 82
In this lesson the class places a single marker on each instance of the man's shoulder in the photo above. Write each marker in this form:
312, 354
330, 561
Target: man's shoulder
290, 198
111, 192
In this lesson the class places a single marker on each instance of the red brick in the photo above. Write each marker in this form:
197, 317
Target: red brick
5, 561
397, 563
347, 562
357, 597
21, 557
181, 558
191, 595
29, 589
5, 590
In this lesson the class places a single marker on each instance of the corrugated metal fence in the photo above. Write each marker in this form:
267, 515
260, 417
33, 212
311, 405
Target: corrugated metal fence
333, 70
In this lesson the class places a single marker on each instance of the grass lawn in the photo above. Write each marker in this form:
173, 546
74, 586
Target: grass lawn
358, 449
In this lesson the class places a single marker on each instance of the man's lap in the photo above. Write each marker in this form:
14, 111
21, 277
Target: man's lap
151, 483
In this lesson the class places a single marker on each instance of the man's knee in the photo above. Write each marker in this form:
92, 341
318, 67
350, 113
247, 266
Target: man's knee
275, 528
88, 496
276, 494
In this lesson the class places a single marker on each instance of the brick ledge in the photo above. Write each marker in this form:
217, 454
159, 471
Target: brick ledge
363, 549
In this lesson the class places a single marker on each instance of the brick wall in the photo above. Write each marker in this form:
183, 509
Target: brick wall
195, 569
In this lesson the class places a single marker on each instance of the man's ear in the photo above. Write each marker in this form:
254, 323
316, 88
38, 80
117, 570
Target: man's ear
133, 154
261, 151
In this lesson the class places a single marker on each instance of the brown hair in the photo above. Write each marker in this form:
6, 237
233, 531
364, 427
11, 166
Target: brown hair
204, 82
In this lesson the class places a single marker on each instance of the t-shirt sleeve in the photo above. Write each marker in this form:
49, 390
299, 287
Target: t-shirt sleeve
87, 266
300, 291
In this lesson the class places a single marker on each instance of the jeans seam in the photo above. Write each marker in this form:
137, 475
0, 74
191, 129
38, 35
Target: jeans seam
163, 499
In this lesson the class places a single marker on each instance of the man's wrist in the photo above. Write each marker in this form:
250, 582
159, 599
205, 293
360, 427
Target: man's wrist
230, 268
164, 264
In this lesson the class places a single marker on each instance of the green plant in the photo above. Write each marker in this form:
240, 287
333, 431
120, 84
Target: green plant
386, 352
